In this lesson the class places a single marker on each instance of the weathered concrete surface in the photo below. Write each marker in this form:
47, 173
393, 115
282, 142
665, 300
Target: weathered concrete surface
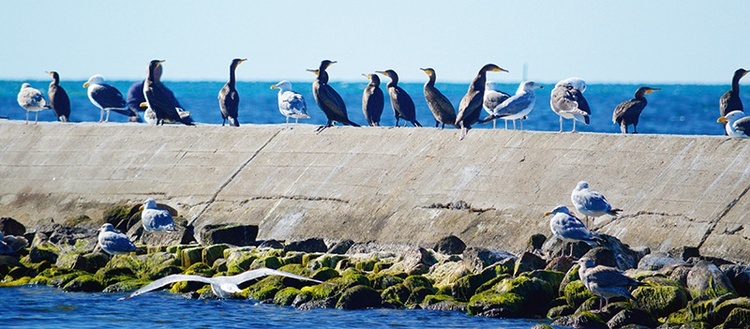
377, 184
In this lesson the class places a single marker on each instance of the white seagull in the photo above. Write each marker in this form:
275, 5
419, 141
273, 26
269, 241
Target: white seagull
11, 244
517, 106
568, 102
604, 281
291, 103
113, 241
569, 228
222, 286
737, 124
591, 203
155, 219
493, 97
31, 100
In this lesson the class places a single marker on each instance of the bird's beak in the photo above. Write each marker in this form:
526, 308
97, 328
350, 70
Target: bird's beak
500, 70
141, 207
722, 120
746, 72
161, 61
242, 60
313, 71
331, 63
652, 90
366, 75
548, 213
274, 86
85, 85
143, 104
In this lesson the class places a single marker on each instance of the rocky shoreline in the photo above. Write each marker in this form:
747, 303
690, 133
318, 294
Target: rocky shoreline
681, 289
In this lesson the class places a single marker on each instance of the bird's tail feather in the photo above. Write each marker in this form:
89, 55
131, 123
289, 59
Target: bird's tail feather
614, 212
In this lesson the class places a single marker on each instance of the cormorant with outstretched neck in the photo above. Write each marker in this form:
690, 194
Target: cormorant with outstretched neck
229, 99
628, 112
439, 105
471, 104
731, 101
373, 100
403, 105
329, 100
58, 98
158, 99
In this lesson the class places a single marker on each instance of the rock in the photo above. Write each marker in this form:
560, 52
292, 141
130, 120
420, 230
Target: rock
229, 233
418, 295
535, 243
84, 239
684, 253
39, 254
190, 256
555, 247
413, 282
341, 247
123, 217
739, 276
582, 320
602, 256
576, 293
83, 283
10, 226
560, 264
542, 326
325, 274
560, 311
476, 259
110, 276
126, 286
396, 294
632, 317
213, 252
325, 260
535, 294
723, 310
413, 261
738, 318
273, 244
271, 262
309, 245
466, 286
180, 235
657, 261
705, 279
494, 304
442, 303
358, 298
91, 262
661, 300
528, 262
286, 296
450, 245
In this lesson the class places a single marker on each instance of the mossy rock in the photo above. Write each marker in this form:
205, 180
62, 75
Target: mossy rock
738, 318
63, 279
576, 293
177, 248
494, 304
379, 266
319, 292
554, 278
442, 303
359, 297
308, 257
398, 293
661, 301
200, 269
325, 260
83, 283
82, 220
21, 271
271, 262
560, 311
104, 274
17, 282
236, 265
39, 254
190, 256
264, 289
123, 217
542, 326
570, 276
382, 281
722, 310
466, 286
585, 320
325, 274
162, 271
366, 265
40, 280
418, 295
213, 252
186, 287
489, 285
631, 317
293, 257
55, 271
294, 268
126, 286
354, 275
286, 296
413, 282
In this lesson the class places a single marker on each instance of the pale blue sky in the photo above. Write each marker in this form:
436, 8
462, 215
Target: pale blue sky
600, 41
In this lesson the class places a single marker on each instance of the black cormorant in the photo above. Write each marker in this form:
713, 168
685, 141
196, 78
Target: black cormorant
58, 98
107, 98
471, 104
229, 99
403, 105
627, 112
329, 100
439, 105
731, 101
373, 100
568, 102
159, 100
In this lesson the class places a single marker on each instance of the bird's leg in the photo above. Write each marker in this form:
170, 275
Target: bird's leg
101, 116
36, 117
437, 124
561, 125
574, 125
624, 128
514, 124
108, 112
571, 250
635, 130
521, 122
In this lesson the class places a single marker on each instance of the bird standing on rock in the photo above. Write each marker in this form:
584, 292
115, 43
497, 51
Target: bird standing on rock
329, 101
604, 281
439, 105
58, 98
373, 100
229, 98
731, 100
628, 112
291, 103
31, 100
159, 98
567, 227
517, 106
403, 105
470, 107
568, 102
155, 219
113, 241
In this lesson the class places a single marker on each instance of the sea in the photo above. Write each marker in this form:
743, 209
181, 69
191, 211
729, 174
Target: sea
677, 109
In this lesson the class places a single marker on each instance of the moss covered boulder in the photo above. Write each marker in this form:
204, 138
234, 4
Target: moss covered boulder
83, 283
382, 281
286, 296
272, 262
359, 297
661, 300
126, 286
213, 252
576, 293
265, 289
325, 274
494, 304
442, 303
109, 276
190, 256
706, 279
738, 318
466, 286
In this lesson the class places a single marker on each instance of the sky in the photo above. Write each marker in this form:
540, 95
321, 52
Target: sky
600, 41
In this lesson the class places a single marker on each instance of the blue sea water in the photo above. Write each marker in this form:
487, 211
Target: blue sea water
45, 307
676, 109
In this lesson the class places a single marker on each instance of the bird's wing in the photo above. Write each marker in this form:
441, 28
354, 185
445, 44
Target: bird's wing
742, 125
571, 227
514, 105
493, 98
607, 277
332, 100
108, 96
470, 103
116, 241
591, 200
294, 102
159, 101
621, 109
168, 280
261, 272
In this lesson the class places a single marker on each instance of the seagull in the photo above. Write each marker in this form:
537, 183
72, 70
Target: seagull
591, 203
493, 97
604, 281
222, 286
31, 100
155, 219
517, 106
107, 98
11, 244
291, 103
568, 102
113, 241
737, 124
569, 228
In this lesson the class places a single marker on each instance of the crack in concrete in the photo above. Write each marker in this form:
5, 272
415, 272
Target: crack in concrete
296, 197
654, 213
231, 177
721, 215
458, 205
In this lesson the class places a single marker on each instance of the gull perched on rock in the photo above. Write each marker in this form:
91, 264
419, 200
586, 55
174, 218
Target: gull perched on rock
11, 244
113, 241
568, 102
737, 124
107, 98
155, 219
222, 286
31, 100
569, 228
591, 203
604, 281
517, 106
493, 97
291, 103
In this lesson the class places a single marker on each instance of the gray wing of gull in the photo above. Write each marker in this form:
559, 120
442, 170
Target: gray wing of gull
168, 280
592, 200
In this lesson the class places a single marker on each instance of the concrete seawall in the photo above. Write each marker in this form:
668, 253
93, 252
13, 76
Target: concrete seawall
384, 184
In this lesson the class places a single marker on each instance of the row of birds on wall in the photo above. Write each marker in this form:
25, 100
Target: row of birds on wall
566, 100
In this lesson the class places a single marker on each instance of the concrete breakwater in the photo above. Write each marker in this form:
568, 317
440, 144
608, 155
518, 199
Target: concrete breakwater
387, 185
